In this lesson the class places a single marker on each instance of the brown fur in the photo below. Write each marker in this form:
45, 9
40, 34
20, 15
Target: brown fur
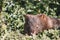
38, 23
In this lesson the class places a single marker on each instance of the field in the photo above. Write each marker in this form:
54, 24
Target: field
12, 18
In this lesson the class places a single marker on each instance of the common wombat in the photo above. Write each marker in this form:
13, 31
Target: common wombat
38, 23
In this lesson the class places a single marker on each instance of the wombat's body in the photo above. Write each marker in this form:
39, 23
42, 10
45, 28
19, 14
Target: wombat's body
38, 23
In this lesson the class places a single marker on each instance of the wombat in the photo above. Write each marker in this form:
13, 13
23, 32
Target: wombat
38, 23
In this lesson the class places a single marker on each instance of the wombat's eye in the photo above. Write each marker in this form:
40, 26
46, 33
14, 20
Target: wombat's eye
36, 27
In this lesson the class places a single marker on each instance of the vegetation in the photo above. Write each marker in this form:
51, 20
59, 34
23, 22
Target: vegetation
12, 19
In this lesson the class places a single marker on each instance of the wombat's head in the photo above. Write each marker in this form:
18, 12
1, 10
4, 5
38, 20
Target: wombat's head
33, 24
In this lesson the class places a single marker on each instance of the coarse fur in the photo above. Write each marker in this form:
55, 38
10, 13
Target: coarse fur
38, 23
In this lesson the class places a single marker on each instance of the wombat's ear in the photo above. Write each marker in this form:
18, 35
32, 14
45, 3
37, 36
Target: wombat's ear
26, 15
42, 16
